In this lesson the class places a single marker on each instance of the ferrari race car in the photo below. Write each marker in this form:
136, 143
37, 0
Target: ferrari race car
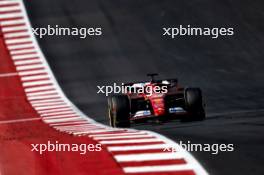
155, 99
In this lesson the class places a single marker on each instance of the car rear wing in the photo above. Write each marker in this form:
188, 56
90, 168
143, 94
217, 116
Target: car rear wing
172, 81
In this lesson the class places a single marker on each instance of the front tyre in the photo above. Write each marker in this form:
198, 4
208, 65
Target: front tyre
119, 111
194, 103
109, 110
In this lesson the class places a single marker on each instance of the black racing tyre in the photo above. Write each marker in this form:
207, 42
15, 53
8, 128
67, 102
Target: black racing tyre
109, 110
194, 103
119, 111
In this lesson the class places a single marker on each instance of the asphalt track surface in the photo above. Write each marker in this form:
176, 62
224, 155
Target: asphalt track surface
228, 69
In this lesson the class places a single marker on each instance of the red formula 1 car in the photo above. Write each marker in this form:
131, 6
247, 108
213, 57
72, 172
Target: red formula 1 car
158, 99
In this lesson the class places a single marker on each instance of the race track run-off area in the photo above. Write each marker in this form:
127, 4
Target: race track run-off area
34, 110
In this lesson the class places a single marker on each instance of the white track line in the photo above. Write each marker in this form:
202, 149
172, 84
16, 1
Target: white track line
66, 124
6, 9
58, 113
20, 63
12, 22
21, 52
62, 124
35, 77
118, 134
20, 68
130, 141
43, 97
22, 46
161, 168
148, 157
33, 72
54, 110
60, 116
63, 120
19, 57
41, 93
12, 74
34, 83
13, 29
138, 147
50, 107
15, 3
79, 129
17, 34
123, 137
49, 104
97, 131
46, 104
74, 126
11, 15
84, 126
19, 120
33, 89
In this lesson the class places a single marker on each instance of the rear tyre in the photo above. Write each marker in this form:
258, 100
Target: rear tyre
119, 111
194, 103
